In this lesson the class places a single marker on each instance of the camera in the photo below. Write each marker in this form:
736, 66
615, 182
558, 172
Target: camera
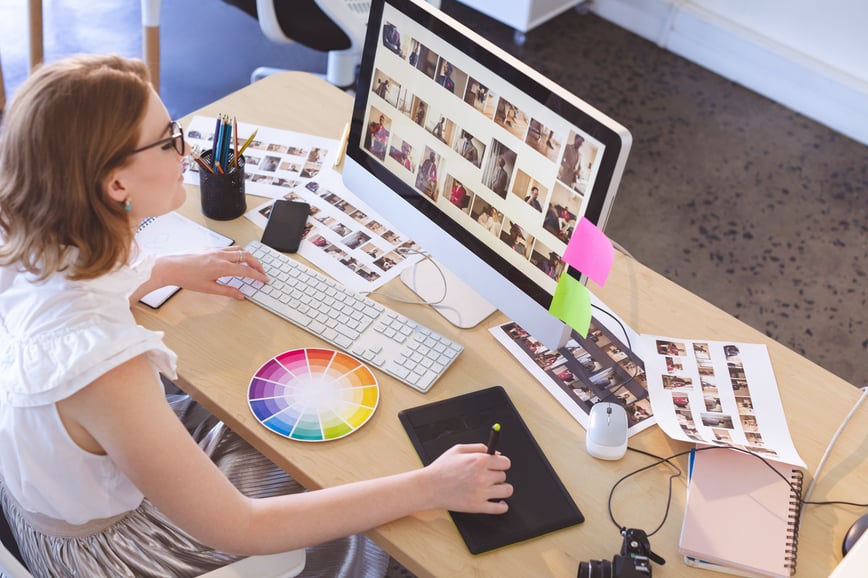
634, 561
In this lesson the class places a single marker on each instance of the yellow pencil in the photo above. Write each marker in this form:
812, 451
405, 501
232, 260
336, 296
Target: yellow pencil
247, 143
342, 145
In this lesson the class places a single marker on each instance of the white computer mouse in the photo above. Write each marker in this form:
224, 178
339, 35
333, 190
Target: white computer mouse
607, 431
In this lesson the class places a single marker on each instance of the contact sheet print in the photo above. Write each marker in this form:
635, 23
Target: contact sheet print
587, 370
702, 391
343, 237
718, 393
276, 160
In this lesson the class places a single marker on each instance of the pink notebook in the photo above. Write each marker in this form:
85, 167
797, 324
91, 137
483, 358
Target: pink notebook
741, 514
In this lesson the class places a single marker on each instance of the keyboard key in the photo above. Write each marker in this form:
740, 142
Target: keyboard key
412, 353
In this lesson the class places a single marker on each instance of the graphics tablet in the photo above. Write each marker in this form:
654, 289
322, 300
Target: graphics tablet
540, 502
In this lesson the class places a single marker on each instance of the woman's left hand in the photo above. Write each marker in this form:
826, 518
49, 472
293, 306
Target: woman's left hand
200, 271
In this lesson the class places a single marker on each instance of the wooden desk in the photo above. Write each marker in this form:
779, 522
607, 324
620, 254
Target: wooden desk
221, 343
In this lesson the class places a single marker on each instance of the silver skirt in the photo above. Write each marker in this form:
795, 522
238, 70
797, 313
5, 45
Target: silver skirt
146, 543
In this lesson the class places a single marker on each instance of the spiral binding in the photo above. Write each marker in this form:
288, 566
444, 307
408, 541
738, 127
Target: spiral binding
797, 480
145, 222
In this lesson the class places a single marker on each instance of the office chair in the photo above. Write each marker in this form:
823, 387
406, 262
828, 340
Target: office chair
333, 26
284, 565
337, 27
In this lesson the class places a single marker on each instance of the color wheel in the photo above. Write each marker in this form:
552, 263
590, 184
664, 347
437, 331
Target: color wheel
313, 395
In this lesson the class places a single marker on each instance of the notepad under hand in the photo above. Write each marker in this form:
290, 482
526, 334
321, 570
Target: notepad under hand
742, 515
169, 234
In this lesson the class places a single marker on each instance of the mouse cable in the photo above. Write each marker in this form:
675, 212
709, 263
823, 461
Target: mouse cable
668, 461
828, 450
407, 251
659, 461
796, 491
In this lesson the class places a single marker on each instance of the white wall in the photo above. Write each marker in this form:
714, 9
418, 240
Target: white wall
809, 55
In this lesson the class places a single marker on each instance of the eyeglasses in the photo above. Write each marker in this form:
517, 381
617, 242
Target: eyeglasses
176, 140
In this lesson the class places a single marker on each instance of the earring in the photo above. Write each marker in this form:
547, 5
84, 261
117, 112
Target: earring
128, 204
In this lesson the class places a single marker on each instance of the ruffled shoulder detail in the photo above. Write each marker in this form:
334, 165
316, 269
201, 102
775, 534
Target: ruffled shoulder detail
54, 366
60, 336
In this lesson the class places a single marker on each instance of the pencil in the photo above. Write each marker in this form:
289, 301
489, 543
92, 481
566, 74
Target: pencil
227, 142
234, 142
218, 143
214, 139
493, 437
247, 142
342, 146
202, 163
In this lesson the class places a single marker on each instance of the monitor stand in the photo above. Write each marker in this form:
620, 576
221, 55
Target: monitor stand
462, 306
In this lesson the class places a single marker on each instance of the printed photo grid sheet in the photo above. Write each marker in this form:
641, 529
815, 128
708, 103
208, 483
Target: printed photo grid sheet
343, 237
601, 367
707, 392
718, 393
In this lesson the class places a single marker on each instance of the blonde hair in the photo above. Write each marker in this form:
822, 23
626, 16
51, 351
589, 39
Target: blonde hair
67, 128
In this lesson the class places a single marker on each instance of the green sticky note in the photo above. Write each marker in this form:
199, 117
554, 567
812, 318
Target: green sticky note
572, 304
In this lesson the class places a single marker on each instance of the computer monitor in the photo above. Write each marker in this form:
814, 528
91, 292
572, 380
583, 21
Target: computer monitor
484, 162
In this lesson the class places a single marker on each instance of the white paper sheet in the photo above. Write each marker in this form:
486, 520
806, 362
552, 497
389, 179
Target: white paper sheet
344, 238
585, 371
718, 393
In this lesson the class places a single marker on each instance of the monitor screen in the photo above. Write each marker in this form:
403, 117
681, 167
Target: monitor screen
485, 163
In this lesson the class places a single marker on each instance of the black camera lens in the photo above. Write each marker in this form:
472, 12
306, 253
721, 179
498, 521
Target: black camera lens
595, 569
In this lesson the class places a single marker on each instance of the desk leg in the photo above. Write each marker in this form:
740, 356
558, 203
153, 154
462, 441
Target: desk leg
151, 39
151, 48
37, 53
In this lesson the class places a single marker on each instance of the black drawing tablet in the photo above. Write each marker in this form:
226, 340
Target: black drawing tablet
540, 502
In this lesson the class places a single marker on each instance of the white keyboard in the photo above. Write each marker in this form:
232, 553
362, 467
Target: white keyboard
404, 349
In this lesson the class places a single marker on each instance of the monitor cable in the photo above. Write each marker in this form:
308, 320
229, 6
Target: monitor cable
425, 256
613, 389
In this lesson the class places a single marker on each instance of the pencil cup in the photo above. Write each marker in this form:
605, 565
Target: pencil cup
222, 194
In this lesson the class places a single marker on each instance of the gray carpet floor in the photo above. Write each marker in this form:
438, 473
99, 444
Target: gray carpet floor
753, 207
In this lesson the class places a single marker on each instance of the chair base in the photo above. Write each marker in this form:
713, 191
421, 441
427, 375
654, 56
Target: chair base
348, 86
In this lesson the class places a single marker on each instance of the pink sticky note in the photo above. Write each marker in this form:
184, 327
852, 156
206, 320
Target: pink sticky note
590, 251
571, 304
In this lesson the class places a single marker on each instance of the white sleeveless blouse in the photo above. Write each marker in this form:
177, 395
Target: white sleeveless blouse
56, 337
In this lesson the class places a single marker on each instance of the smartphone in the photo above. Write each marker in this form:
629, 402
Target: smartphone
285, 225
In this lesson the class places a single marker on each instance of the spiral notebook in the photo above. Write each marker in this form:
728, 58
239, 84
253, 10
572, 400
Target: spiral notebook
740, 516
174, 233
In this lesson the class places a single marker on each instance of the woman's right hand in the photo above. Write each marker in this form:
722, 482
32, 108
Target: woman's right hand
466, 478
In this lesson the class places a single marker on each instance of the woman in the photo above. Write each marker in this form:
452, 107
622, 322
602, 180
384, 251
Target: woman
458, 194
98, 475
488, 219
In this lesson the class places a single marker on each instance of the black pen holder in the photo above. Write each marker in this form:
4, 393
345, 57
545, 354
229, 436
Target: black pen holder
222, 193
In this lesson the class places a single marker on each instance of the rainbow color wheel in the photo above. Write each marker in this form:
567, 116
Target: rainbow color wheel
313, 395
